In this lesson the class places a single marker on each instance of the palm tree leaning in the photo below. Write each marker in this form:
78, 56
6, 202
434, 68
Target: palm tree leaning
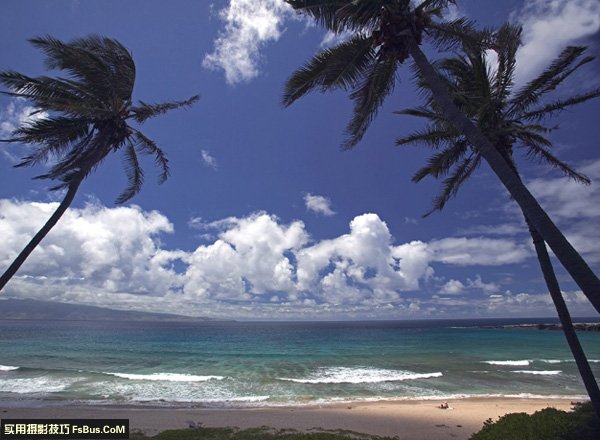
88, 118
385, 33
510, 120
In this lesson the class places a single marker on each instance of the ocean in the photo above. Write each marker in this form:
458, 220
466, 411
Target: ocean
249, 364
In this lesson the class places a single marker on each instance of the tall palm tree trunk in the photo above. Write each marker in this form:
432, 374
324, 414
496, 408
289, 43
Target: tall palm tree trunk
564, 251
37, 238
585, 371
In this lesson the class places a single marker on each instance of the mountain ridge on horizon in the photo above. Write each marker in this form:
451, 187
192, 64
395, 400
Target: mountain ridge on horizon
31, 309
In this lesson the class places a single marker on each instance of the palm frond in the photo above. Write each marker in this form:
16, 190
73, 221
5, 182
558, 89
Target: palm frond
419, 112
134, 173
430, 136
552, 108
52, 94
88, 112
434, 4
441, 163
366, 15
148, 146
144, 111
345, 15
506, 44
368, 96
339, 67
453, 183
54, 132
80, 160
102, 65
540, 152
549, 79
324, 12
449, 35
42, 154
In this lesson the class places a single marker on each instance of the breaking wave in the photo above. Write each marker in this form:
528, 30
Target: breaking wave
360, 375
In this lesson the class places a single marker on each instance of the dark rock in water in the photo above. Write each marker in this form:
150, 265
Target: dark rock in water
584, 327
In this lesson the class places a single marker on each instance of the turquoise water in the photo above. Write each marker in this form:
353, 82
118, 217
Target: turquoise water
270, 364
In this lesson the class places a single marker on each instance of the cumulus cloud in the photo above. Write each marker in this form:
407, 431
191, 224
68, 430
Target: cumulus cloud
108, 250
250, 258
478, 283
453, 287
318, 204
548, 27
249, 25
254, 266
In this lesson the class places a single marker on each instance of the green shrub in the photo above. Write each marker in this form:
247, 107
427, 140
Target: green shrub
547, 424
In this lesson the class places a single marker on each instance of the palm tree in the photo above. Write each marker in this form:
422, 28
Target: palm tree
385, 34
88, 114
510, 120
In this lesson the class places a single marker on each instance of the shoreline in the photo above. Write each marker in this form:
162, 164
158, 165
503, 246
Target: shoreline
406, 419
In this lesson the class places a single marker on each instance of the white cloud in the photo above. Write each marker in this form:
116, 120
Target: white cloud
110, 250
536, 304
574, 207
333, 39
463, 251
453, 287
453, 12
16, 114
318, 204
209, 160
566, 199
252, 267
360, 264
548, 27
509, 229
249, 258
249, 25
487, 288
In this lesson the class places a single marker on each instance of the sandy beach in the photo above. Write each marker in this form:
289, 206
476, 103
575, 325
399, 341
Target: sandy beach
408, 420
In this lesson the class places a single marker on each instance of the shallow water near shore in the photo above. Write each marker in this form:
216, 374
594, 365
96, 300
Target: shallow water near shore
240, 364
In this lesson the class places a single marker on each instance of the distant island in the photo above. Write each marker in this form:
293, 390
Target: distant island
46, 310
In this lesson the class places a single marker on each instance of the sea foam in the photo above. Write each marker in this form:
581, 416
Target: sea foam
360, 375
166, 377
8, 368
539, 373
35, 385
523, 363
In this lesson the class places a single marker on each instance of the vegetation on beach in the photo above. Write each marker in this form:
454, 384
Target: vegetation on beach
547, 424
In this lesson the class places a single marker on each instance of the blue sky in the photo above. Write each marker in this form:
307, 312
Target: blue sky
264, 216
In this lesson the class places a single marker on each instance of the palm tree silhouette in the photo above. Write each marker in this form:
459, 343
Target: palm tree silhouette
385, 34
510, 119
88, 118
